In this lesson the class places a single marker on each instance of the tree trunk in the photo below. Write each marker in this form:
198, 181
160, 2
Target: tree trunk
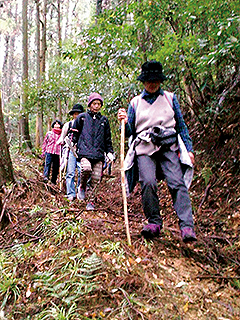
39, 127
67, 27
5, 76
25, 141
59, 104
9, 64
59, 27
39, 117
98, 7
6, 168
44, 40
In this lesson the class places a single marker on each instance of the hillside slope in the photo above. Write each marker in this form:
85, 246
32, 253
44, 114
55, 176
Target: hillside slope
59, 261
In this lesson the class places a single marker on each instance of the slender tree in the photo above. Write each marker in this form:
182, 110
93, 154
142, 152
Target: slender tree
25, 141
99, 7
6, 168
44, 40
10, 62
39, 118
59, 49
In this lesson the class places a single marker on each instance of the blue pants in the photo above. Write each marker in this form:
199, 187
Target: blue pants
168, 163
70, 176
51, 161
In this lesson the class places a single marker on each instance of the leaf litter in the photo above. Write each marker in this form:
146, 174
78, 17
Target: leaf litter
75, 263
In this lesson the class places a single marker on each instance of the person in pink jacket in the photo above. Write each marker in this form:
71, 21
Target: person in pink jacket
51, 152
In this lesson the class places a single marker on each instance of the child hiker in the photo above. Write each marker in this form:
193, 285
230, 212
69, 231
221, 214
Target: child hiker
51, 152
93, 139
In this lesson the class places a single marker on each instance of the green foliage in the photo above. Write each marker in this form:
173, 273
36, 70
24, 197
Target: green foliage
59, 313
112, 247
206, 174
197, 42
91, 267
78, 278
236, 284
77, 273
22, 251
9, 285
196, 39
68, 231
35, 209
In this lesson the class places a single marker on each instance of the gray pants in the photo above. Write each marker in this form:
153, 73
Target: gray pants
90, 169
168, 162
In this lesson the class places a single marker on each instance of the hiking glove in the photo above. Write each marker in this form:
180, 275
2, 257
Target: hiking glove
110, 157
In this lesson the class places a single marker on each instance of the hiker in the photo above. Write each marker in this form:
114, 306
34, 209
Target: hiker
93, 139
155, 121
69, 158
51, 152
108, 164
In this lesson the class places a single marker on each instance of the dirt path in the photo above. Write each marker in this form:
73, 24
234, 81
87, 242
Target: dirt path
165, 278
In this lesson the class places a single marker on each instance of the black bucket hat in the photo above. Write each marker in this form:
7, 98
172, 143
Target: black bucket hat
151, 71
59, 122
76, 108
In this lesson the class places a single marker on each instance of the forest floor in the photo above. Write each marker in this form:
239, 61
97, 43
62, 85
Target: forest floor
59, 261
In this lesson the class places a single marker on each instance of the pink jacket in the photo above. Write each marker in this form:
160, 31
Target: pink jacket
49, 143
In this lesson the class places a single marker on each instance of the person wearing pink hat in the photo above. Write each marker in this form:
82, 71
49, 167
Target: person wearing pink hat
92, 135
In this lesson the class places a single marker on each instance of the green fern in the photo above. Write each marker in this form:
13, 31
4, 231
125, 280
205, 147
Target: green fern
235, 284
59, 313
206, 174
91, 266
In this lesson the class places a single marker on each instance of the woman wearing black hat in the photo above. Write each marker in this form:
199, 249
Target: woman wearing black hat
155, 110
68, 158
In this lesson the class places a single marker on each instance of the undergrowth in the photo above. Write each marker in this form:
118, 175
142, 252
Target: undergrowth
58, 261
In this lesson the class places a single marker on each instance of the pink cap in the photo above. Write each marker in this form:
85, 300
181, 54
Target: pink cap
94, 96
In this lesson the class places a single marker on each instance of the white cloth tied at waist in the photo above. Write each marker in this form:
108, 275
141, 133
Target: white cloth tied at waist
184, 156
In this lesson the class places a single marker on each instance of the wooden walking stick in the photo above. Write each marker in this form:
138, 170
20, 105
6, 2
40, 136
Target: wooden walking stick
60, 187
123, 182
62, 175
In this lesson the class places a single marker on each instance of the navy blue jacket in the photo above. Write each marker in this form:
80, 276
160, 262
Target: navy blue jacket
92, 134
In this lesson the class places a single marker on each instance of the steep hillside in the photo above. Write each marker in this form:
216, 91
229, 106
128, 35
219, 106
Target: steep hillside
59, 261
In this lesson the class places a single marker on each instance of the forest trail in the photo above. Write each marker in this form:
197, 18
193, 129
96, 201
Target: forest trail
159, 279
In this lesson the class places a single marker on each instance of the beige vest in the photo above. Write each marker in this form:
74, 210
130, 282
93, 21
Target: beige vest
151, 115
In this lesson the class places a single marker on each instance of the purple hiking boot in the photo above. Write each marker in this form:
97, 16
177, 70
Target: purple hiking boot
90, 206
151, 230
188, 235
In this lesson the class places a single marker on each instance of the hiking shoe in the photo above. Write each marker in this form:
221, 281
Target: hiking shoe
188, 235
81, 194
71, 198
45, 179
90, 206
151, 230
